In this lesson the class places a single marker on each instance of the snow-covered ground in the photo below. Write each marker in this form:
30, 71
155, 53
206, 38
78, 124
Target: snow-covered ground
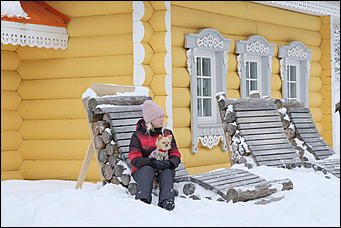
314, 201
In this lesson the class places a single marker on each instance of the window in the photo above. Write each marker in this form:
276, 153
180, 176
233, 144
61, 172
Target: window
292, 82
205, 86
254, 65
207, 67
294, 67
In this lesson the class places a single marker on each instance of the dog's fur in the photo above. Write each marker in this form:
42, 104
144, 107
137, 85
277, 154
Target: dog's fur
163, 144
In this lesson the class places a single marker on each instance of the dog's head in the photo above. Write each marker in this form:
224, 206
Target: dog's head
164, 142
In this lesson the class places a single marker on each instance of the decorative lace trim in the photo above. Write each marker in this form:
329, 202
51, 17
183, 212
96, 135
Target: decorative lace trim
210, 141
297, 52
257, 47
309, 7
33, 35
210, 41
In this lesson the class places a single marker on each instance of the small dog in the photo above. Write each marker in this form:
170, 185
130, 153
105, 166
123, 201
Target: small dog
163, 144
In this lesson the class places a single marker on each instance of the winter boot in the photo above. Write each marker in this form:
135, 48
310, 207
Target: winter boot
167, 204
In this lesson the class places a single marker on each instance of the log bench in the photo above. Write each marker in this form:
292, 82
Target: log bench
253, 127
112, 121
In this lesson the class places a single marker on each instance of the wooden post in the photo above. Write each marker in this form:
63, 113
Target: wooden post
90, 152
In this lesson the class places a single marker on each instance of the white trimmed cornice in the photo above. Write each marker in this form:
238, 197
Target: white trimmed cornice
319, 8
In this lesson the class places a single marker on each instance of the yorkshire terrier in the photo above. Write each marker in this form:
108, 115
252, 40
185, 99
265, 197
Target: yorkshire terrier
163, 145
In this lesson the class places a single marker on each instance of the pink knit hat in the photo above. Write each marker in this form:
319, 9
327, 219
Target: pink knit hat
151, 110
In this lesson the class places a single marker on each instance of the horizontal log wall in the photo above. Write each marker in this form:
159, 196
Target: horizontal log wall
238, 20
11, 139
54, 130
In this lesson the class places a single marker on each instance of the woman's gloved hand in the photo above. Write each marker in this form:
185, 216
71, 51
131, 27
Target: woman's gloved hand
161, 165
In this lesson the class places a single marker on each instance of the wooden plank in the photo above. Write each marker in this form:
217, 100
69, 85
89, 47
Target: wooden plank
257, 113
310, 135
217, 173
131, 128
319, 143
301, 120
267, 142
279, 162
225, 176
268, 147
322, 147
260, 125
125, 115
299, 115
116, 108
320, 153
121, 143
124, 149
306, 130
261, 131
117, 100
124, 122
315, 138
219, 176
239, 178
121, 136
265, 136
305, 125
277, 151
240, 183
260, 119
253, 107
297, 109
276, 157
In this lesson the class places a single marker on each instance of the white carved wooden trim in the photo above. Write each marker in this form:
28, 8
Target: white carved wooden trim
297, 52
210, 141
25, 34
210, 41
13, 9
257, 47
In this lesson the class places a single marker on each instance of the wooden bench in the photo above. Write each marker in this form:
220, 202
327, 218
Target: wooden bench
112, 121
306, 131
257, 122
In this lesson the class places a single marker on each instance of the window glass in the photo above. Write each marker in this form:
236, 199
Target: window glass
253, 70
204, 87
291, 82
251, 77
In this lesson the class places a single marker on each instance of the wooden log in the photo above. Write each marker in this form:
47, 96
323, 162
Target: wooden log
117, 100
107, 136
293, 142
291, 133
286, 123
113, 159
132, 188
114, 180
230, 117
125, 179
111, 147
281, 115
231, 129
188, 189
257, 191
94, 117
102, 156
292, 103
99, 127
300, 151
107, 172
118, 170
279, 103
99, 144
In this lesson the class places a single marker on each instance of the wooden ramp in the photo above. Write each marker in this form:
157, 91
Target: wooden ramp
307, 132
259, 124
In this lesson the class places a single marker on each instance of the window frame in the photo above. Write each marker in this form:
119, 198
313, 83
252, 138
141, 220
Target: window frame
297, 65
208, 131
257, 60
210, 55
296, 53
255, 47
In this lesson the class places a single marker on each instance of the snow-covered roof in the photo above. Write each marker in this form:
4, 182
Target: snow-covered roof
33, 23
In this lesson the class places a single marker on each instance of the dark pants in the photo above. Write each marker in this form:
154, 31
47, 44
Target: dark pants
144, 178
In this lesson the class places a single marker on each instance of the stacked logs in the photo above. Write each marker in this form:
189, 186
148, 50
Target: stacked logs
115, 169
290, 130
237, 146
